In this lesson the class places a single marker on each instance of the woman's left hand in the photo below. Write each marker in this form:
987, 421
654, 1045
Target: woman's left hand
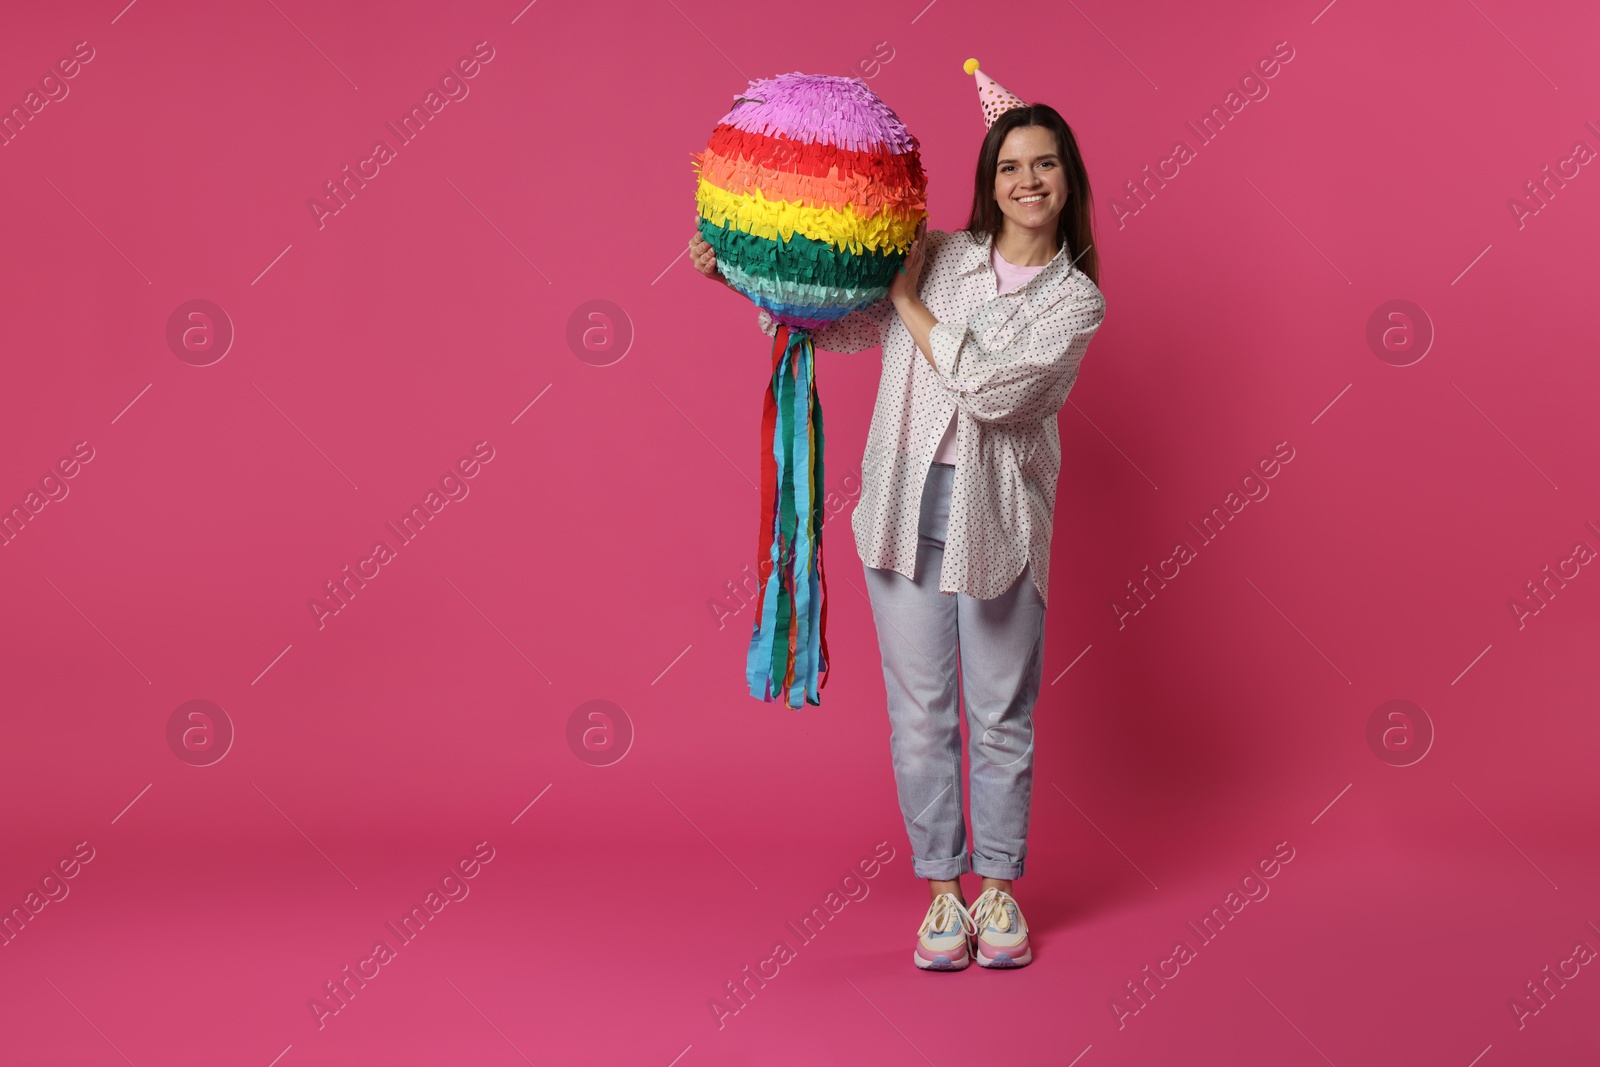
909, 276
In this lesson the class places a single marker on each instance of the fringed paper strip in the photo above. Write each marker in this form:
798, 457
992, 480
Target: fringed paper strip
788, 653
862, 192
842, 227
800, 259
895, 177
803, 298
817, 107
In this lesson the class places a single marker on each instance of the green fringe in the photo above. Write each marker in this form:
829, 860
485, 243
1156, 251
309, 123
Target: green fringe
802, 259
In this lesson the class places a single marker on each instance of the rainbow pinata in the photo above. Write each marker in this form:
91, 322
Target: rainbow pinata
810, 192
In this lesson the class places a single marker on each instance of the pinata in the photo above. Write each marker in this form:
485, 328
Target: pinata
810, 192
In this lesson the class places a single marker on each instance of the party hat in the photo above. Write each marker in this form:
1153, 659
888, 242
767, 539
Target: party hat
995, 98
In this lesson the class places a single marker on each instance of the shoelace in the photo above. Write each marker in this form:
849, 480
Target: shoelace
946, 909
993, 908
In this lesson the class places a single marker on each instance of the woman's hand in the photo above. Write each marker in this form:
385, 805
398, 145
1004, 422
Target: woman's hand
919, 321
704, 258
909, 277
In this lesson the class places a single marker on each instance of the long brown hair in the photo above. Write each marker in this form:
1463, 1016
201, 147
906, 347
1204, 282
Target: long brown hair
1075, 225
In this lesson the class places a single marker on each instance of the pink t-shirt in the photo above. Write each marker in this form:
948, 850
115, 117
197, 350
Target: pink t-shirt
1008, 277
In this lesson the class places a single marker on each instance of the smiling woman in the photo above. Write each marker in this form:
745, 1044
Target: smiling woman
957, 506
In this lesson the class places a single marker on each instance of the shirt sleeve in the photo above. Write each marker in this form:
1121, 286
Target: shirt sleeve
862, 328
1026, 380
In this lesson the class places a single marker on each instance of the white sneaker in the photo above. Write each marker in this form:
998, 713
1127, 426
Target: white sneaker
943, 942
1002, 932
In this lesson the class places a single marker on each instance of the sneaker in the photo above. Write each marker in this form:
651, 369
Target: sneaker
943, 942
1002, 932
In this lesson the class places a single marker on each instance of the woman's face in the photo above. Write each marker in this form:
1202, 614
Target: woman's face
1030, 183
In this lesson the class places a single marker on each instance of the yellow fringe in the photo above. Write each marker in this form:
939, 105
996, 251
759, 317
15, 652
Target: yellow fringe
775, 219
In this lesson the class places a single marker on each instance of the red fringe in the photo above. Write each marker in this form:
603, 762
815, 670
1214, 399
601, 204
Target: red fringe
895, 170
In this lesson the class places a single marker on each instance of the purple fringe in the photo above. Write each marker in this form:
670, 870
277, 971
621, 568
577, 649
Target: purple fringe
823, 108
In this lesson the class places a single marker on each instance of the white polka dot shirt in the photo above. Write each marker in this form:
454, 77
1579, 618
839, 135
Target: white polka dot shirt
1006, 363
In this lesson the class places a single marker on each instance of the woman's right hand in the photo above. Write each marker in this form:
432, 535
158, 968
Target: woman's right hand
704, 258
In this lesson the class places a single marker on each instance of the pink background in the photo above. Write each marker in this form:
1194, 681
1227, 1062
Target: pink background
587, 562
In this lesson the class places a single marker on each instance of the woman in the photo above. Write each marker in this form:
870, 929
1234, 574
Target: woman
982, 335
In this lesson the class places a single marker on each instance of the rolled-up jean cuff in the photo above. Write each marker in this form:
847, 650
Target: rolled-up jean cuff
996, 868
947, 870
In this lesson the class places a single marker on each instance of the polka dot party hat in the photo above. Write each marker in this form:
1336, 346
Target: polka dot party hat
995, 98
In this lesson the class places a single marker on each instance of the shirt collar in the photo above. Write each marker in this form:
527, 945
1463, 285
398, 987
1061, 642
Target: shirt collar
979, 247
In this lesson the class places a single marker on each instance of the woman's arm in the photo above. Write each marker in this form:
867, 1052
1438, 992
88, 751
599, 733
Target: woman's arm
1026, 380
919, 321
919, 324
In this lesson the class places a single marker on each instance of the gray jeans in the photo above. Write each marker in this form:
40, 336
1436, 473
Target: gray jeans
999, 644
